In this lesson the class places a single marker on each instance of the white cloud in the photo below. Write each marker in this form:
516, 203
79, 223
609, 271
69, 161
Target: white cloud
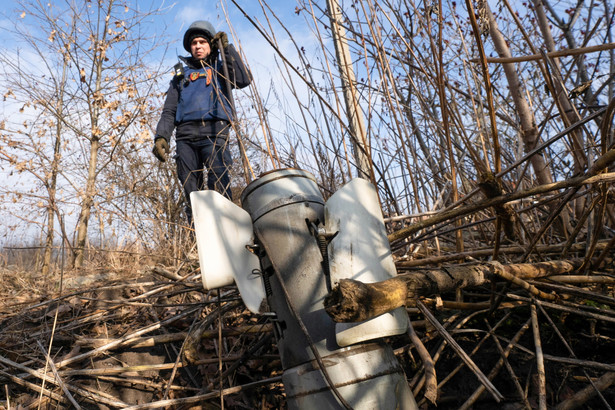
189, 14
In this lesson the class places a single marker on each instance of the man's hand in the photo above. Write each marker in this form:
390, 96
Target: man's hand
220, 35
161, 149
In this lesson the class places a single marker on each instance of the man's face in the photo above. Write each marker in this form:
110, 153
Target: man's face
199, 48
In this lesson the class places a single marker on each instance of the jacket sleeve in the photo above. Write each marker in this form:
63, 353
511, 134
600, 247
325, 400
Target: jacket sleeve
239, 73
166, 124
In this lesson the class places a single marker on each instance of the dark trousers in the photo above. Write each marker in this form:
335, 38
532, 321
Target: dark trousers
199, 157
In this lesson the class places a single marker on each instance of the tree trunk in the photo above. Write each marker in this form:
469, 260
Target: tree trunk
95, 145
355, 115
53, 178
567, 111
86, 206
51, 206
529, 130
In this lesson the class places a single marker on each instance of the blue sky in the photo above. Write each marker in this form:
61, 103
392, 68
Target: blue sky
176, 17
172, 23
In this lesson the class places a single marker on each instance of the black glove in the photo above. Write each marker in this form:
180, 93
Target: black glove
161, 149
220, 35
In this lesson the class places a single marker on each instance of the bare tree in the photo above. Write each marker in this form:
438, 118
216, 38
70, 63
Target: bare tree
96, 96
432, 127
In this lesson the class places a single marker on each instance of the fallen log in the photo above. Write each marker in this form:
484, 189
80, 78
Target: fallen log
354, 301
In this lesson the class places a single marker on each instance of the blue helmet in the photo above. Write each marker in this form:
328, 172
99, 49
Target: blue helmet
199, 28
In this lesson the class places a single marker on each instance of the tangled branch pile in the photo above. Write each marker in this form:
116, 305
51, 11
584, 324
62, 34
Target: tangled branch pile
160, 340
148, 342
444, 121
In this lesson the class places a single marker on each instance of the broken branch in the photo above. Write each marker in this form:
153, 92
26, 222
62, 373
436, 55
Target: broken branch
354, 301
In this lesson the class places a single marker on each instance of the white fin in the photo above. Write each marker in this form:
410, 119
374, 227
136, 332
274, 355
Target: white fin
223, 230
361, 251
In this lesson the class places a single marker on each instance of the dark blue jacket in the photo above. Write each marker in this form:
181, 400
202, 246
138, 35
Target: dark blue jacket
201, 96
200, 107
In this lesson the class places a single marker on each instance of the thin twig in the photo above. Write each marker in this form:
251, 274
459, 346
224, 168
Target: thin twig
57, 376
509, 368
563, 340
127, 338
472, 399
203, 397
540, 364
431, 381
81, 391
462, 354
34, 387
582, 396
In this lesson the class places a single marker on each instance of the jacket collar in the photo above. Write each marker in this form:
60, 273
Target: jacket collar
193, 62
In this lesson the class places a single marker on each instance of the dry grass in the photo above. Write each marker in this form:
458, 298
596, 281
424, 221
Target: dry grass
96, 309
131, 336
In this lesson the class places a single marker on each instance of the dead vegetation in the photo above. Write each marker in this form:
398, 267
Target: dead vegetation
490, 141
112, 341
156, 339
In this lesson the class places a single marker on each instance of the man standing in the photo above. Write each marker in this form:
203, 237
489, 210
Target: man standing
198, 107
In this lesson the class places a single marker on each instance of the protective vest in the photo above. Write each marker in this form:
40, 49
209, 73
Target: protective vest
201, 97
